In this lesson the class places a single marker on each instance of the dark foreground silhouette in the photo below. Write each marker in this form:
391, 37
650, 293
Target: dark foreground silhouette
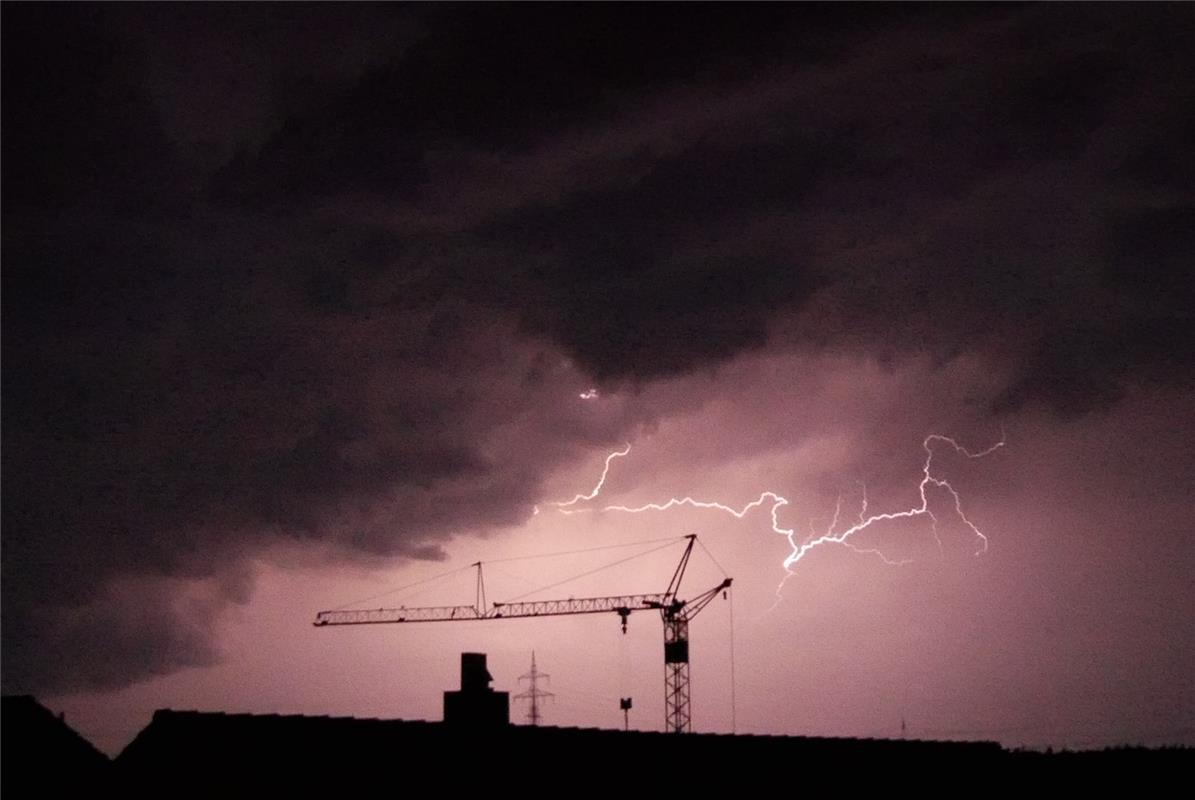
211, 754
42, 754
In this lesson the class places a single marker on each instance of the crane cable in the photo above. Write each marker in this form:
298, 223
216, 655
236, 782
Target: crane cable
592, 571
725, 574
670, 540
397, 589
402, 588
733, 711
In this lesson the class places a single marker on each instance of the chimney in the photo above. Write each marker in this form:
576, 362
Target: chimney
476, 705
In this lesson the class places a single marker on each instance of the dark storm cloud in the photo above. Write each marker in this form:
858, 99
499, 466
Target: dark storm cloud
339, 319
823, 157
187, 384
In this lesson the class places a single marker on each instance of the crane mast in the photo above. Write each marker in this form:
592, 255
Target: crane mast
674, 612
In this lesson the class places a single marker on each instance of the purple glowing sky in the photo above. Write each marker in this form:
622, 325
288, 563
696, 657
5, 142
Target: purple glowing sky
302, 304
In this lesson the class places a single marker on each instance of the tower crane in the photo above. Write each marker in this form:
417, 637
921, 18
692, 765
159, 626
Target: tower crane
675, 613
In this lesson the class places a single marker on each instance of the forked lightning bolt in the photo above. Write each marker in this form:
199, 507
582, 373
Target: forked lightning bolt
565, 506
927, 479
797, 551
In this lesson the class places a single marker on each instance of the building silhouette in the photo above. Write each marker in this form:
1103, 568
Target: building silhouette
476, 705
476, 749
38, 749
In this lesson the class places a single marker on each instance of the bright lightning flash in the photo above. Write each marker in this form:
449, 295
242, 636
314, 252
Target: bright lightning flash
566, 506
830, 535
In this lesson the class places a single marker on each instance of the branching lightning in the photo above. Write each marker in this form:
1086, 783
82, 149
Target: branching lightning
927, 479
831, 534
565, 506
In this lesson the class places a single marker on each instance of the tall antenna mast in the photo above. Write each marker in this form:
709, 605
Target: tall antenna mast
533, 693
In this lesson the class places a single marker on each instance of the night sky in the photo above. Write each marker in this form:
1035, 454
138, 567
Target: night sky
305, 303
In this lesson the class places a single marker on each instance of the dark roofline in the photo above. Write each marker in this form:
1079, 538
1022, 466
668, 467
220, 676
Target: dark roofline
167, 716
11, 703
